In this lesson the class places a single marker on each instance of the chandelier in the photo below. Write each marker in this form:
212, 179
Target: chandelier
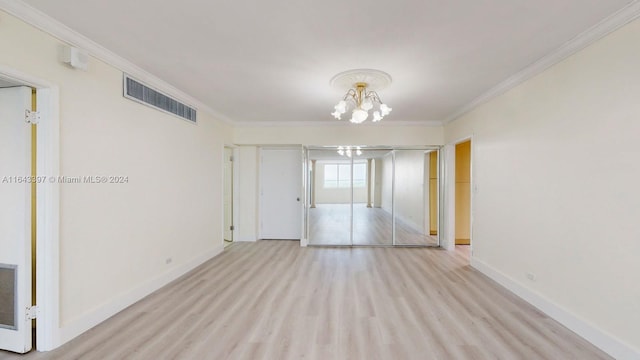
348, 151
361, 96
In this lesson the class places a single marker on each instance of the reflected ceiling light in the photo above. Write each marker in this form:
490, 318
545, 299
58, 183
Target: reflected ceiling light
348, 151
361, 97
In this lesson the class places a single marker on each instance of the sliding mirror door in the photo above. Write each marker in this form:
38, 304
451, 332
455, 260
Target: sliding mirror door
373, 196
372, 201
416, 197
329, 215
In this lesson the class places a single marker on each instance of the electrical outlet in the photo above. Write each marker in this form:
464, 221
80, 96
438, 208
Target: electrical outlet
531, 276
168, 261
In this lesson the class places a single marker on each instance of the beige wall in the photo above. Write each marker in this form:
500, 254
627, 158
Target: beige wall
115, 238
555, 164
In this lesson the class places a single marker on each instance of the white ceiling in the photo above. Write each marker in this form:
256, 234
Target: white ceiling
271, 61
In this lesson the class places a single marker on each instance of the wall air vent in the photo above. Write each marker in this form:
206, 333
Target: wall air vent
139, 92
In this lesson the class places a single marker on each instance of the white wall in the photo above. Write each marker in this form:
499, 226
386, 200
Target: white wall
115, 238
247, 225
555, 163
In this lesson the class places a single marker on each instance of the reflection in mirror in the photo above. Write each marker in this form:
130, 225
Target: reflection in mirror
372, 207
372, 196
329, 215
414, 198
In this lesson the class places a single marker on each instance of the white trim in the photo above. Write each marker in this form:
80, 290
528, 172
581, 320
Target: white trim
247, 238
236, 191
48, 221
579, 42
472, 190
447, 233
63, 33
119, 303
590, 332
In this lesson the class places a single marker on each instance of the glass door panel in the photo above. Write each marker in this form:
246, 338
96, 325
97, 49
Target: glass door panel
372, 197
413, 201
329, 213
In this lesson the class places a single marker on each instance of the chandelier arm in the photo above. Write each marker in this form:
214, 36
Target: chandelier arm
374, 97
350, 94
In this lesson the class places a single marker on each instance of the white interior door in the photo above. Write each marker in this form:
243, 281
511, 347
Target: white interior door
15, 220
280, 194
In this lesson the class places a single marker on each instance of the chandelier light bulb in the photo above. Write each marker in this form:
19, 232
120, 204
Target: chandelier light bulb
341, 107
349, 151
376, 116
358, 116
367, 105
337, 114
385, 110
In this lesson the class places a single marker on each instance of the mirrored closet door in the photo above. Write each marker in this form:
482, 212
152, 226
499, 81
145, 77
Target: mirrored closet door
364, 196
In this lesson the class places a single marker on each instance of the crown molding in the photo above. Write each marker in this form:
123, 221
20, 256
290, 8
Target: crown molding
53, 27
334, 123
579, 42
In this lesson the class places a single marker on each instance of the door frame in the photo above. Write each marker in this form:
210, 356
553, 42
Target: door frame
235, 193
449, 191
47, 206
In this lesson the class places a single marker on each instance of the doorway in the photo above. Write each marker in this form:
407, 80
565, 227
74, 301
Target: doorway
40, 211
371, 196
463, 193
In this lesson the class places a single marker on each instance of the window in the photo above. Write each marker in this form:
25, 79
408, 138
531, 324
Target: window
339, 175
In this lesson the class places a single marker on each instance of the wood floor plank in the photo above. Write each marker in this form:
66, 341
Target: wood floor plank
276, 300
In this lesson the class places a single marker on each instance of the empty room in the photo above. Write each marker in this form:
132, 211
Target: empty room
319, 180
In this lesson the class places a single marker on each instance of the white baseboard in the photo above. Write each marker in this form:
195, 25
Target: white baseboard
605, 341
246, 239
114, 306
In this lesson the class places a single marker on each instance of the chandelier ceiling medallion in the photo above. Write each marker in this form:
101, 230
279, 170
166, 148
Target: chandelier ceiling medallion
361, 96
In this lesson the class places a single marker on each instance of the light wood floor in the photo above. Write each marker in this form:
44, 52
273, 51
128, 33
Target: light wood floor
276, 300
330, 224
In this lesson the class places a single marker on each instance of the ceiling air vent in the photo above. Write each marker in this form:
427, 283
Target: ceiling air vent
141, 93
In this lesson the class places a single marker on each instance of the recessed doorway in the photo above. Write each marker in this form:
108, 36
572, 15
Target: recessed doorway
463, 193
